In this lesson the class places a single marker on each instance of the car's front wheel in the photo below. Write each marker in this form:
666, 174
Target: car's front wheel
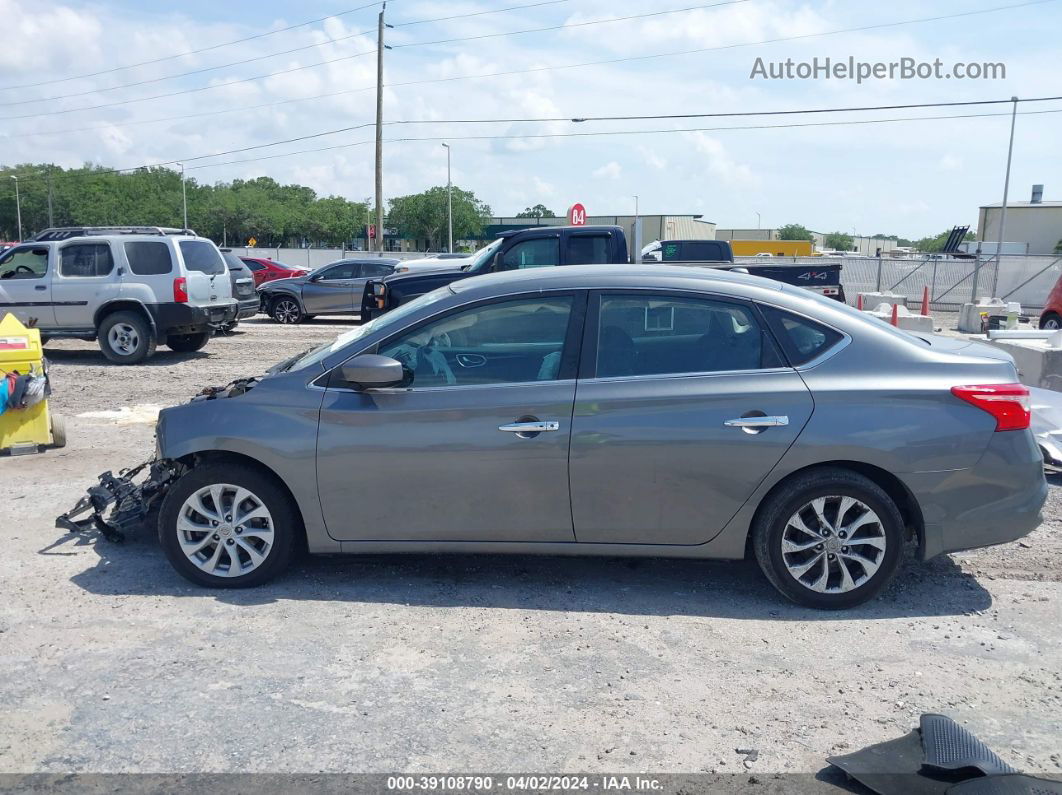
1050, 321
228, 526
286, 310
830, 539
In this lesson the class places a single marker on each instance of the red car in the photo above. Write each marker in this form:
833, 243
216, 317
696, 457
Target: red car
266, 270
1051, 317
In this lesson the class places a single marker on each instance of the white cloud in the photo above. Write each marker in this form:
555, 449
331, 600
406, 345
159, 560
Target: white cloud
611, 170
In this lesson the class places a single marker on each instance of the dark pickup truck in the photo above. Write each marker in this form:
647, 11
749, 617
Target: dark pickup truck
548, 246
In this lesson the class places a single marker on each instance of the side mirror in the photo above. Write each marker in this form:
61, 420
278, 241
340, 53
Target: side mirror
370, 371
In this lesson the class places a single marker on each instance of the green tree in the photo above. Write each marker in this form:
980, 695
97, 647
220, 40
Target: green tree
538, 211
794, 232
839, 241
423, 216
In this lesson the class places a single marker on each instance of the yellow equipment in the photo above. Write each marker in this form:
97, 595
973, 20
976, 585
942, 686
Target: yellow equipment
30, 429
776, 248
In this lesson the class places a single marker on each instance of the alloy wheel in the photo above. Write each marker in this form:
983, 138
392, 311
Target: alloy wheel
1052, 324
286, 311
833, 544
123, 338
225, 530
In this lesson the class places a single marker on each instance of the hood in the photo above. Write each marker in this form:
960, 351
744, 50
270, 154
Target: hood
294, 280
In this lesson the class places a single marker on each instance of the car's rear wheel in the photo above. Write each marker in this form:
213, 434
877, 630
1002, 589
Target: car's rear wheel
227, 526
286, 310
126, 338
829, 539
1050, 321
187, 343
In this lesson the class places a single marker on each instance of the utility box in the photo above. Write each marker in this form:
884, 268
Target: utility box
31, 429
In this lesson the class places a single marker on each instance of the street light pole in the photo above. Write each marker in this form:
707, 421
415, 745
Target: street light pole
758, 222
449, 200
636, 254
1006, 191
18, 207
184, 196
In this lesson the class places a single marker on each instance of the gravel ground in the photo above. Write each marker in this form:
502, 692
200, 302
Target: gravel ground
109, 662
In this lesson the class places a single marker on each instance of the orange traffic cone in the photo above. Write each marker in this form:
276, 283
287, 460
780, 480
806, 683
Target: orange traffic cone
896, 315
859, 302
925, 301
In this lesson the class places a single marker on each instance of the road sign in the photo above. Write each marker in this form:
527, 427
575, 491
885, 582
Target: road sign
252, 242
577, 215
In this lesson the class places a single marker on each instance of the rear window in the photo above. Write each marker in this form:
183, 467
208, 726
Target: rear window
695, 251
802, 339
148, 258
199, 255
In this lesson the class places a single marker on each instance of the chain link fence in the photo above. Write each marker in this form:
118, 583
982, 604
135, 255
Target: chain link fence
951, 282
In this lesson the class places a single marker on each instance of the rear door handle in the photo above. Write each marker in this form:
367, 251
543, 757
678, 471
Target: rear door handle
757, 422
530, 427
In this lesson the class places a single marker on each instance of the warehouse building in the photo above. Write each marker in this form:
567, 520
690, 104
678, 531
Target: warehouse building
1036, 224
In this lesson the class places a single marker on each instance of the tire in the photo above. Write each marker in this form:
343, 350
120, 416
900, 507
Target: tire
1050, 320
58, 431
188, 343
126, 338
286, 309
797, 572
211, 564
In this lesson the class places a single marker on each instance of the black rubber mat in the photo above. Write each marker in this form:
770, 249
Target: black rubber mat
948, 746
1013, 784
895, 768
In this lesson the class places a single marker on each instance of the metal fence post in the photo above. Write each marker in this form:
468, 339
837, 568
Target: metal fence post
933, 289
976, 278
878, 288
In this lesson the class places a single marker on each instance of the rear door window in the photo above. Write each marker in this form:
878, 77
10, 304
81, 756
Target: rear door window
371, 270
149, 258
85, 260
587, 250
199, 255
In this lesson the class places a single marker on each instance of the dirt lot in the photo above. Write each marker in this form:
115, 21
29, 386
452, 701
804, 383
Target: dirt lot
110, 662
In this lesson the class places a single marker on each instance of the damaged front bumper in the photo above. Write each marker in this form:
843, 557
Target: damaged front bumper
118, 504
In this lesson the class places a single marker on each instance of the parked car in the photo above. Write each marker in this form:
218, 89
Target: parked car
267, 270
642, 411
130, 288
243, 289
335, 289
1051, 317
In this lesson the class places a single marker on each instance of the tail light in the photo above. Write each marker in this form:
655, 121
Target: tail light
180, 290
1010, 404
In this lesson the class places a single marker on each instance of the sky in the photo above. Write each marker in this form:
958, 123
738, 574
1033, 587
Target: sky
911, 178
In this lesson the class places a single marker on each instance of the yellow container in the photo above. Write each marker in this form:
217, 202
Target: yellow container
25, 430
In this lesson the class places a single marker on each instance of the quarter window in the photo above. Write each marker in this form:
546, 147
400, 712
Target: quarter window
803, 339
24, 263
86, 259
538, 253
509, 342
656, 335
148, 258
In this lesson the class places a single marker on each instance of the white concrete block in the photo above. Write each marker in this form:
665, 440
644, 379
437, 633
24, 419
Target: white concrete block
904, 318
872, 301
1038, 364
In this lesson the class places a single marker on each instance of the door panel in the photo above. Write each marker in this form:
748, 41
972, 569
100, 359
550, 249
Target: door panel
334, 291
652, 461
86, 278
431, 465
26, 285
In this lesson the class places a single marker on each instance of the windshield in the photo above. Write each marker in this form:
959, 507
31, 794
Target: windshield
481, 259
315, 355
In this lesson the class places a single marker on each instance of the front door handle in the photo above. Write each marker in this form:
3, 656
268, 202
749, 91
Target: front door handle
757, 422
40, 287
530, 427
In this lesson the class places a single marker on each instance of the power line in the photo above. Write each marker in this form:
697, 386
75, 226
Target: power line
190, 52
559, 66
594, 133
270, 56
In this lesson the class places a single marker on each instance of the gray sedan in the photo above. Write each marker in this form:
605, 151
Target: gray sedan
335, 289
642, 411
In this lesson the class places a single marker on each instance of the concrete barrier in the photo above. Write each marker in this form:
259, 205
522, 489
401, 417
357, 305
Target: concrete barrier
872, 301
970, 314
904, 319
1038, 363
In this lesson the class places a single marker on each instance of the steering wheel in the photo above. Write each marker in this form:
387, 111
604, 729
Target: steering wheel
18, 268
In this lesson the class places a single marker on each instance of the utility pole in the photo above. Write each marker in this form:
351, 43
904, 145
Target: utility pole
449, 201
184, 196
51, 217
379, 131
636, 254
18, 207
1006, 191
758, 222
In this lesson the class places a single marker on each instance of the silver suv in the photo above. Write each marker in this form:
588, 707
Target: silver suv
130, 288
